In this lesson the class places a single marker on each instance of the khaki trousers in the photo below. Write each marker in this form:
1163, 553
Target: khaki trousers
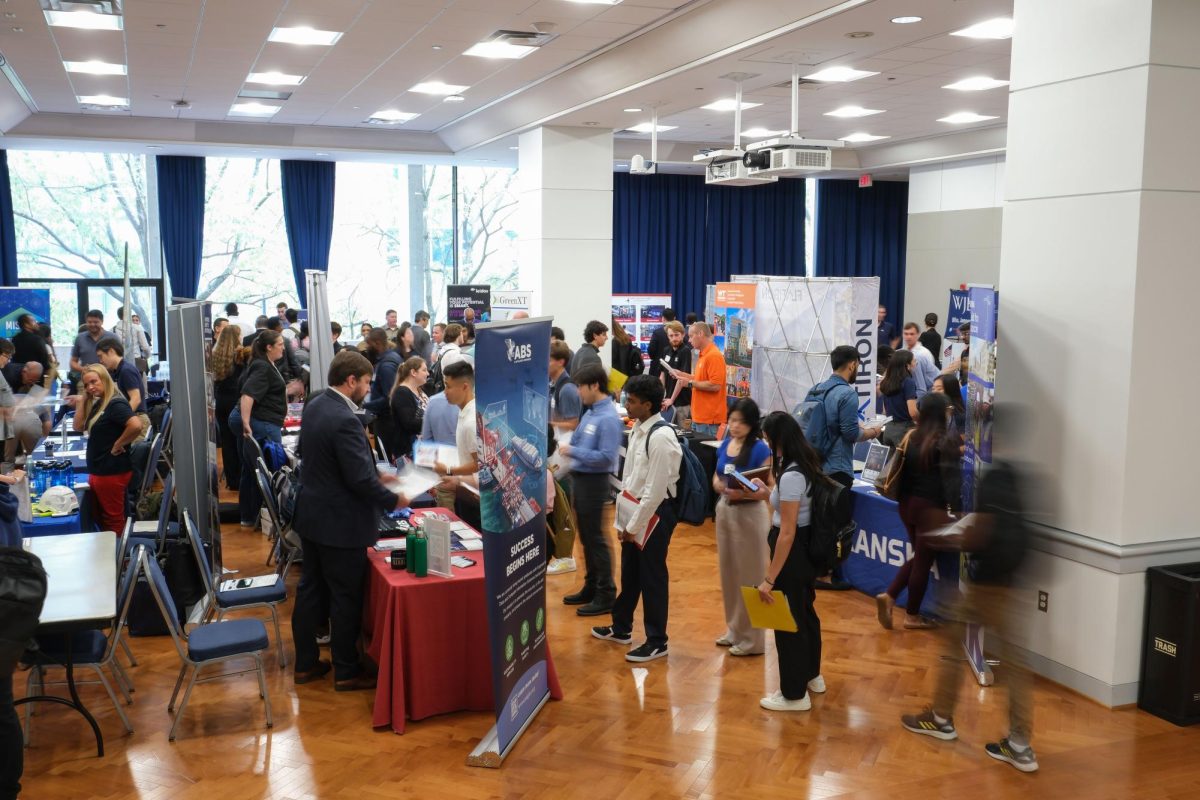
742, 555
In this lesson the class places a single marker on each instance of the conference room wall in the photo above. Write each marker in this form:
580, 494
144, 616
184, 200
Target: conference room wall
954, 227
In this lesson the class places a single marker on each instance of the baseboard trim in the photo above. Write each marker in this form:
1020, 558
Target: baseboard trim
1108, 695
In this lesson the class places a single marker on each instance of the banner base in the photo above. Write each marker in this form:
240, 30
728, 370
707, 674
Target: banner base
487, 753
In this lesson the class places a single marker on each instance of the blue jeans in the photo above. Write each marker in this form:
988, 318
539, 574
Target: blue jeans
704, 429
249, 500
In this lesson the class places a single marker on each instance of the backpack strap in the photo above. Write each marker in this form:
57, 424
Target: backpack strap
653, 428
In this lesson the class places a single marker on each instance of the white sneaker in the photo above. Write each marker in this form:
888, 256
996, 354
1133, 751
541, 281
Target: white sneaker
777, 702
560, 566
817, 685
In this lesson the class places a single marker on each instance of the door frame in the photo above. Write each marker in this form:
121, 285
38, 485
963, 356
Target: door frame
82, 286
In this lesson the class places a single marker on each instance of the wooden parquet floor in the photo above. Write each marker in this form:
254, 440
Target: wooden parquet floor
688, 726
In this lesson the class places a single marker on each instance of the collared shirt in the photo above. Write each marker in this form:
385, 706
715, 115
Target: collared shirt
466, 434
650, 479
887, 333
353, 406
85, 348
710, 408
925, 372
441, 421
596, 444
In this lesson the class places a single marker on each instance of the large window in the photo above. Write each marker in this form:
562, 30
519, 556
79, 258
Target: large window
487, 236
246, 257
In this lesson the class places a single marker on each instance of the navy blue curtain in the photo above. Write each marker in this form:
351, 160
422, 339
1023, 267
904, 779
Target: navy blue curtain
675, 234
8, 233
863, 233
308, 214
181, 220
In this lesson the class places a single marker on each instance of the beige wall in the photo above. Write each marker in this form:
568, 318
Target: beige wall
945, 249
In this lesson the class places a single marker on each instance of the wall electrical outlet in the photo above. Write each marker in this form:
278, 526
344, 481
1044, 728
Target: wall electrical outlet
1043, 601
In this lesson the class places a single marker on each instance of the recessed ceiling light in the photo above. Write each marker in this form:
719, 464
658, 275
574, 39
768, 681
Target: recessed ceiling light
905, 20
761, 133
976, 84
514, 147
853, 111
453, 98
275, 78
730, 105
499, 50
85, 20
859, 35
632, 110
102, 100
391, 116
964, 117
998, 28
862, 137
438, 88
320, 154
304, 35
839, 75
94, 67
437, 47
646, 127
253, 109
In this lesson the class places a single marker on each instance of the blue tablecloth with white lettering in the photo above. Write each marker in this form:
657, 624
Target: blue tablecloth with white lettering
881, 547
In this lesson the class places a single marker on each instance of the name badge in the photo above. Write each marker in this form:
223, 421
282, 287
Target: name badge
589, 429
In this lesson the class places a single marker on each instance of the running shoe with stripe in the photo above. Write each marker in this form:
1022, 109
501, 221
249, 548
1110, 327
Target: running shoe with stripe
1003, 750
924, 723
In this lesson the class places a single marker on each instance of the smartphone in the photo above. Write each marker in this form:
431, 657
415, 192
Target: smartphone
744, 481
462, 562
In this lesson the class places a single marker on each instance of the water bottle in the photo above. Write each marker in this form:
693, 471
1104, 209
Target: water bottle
65, 435
410, 551
421, 556
60, 473
31, 472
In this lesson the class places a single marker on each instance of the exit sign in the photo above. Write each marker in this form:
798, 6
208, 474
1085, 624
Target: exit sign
865, 182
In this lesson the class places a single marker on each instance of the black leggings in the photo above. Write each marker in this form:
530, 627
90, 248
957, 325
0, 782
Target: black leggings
800, 652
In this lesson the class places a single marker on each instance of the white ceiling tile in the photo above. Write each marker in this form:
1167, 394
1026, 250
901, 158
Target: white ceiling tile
633, 15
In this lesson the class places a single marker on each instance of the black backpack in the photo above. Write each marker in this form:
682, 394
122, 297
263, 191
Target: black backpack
691, 490
1000, 496
436, 384
831, 523
22, 594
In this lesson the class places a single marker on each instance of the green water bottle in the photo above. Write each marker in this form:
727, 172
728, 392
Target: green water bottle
410, 550
421, 556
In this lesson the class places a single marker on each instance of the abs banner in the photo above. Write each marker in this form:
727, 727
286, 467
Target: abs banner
512, 402
15, 302
460, 297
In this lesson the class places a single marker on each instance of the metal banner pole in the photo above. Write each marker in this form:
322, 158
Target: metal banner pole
320, 336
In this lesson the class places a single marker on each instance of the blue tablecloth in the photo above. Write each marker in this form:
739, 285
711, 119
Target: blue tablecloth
52, 526
881, 548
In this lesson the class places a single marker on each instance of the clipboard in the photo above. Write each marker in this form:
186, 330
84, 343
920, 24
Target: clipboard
777, 616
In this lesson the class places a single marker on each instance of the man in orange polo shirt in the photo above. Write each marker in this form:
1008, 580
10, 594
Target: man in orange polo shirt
709, 408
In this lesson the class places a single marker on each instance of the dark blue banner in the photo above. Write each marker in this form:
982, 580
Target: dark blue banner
15, 302
981, 390
959, 313
460, 297
512, 402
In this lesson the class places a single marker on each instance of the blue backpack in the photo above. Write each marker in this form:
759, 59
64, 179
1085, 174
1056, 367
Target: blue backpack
691, 495
813, 417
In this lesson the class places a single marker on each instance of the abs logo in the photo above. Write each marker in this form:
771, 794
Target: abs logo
518, 353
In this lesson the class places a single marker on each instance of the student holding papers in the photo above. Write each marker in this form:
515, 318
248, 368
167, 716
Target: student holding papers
790, 571
645, 521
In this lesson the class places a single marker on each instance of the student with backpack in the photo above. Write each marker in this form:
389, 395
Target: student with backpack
796, 468
829, 416
652, 469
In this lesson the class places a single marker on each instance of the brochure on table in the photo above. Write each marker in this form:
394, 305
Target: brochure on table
640, 315
437, 532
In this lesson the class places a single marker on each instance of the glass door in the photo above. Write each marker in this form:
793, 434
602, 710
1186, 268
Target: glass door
108, 295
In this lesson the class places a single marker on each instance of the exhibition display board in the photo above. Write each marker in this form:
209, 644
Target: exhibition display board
640, 315
460, 297
797, 323
507, 302
732, 321
15, 302
513, 403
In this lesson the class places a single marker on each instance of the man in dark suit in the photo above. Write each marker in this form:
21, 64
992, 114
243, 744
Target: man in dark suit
422, 343
660, 343
337, 516
260, 325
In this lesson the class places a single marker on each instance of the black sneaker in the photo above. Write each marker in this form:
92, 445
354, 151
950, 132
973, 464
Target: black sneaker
1003, 750
595, 608
647, 652
924, 723
607, 633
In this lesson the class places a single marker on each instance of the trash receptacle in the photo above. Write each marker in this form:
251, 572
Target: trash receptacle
1170, 686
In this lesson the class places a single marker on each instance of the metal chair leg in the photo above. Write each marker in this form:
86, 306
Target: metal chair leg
178, 683
278, 638
123, 682
29, 682
128, 653
112, 696
262, 689
183, 705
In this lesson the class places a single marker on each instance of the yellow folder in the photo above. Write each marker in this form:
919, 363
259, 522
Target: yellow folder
778, 615
616, 380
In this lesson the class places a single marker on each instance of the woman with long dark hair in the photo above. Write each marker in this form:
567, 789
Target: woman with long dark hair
407, 402
899, 391
947, 384
259, 415
626, 355
930, 483
796, 467
742, 523
227, 364
404, 341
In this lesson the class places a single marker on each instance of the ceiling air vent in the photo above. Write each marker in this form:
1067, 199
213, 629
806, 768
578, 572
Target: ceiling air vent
523, 38
111, 8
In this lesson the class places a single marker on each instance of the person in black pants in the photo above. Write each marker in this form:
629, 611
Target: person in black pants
337, 517
595, 452
227, 364
652, 463
796, 468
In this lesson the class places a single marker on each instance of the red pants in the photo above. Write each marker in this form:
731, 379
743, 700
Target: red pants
109, 491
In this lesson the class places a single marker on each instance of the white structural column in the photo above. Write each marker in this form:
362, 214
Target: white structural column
565, 225
1098, 297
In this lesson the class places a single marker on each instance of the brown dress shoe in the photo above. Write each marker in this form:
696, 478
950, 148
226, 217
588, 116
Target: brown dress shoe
315, 674
357, 683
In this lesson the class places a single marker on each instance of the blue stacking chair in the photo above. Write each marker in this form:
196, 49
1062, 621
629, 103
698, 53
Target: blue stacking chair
220, 603
152, 459
90, 650
163, 528
206, 645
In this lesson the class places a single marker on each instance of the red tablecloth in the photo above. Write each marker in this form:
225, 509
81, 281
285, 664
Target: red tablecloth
429, 637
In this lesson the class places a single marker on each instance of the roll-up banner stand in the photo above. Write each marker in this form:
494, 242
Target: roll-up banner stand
958, 313
981, 395
460, 297
512, 402
15, 302
320, 335
506, 302
640, 315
